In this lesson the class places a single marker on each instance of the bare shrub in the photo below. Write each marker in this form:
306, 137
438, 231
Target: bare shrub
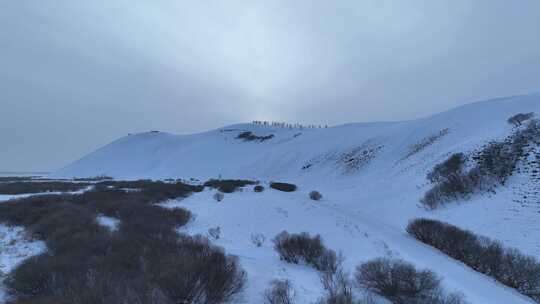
451, 167
215, 233
328, 261
315, 195
285, 187
303, 248
396, 280
258, 239
506, 265
337, 284
218, 196
298, 248
258, 188
280, 292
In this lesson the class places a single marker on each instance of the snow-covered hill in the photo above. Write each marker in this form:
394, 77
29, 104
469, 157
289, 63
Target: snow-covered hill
383, 149
372, 176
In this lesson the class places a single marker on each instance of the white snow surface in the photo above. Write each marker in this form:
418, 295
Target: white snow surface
370, 180
7, 197
108, 222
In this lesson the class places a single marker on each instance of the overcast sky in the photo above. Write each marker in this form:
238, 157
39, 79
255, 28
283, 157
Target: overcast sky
75, 75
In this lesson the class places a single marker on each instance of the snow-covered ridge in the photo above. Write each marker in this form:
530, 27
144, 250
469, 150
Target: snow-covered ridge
217, 153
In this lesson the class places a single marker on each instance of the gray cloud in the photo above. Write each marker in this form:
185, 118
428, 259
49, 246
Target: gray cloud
77, 74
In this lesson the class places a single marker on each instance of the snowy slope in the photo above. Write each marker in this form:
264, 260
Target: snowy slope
372, 176
358, 236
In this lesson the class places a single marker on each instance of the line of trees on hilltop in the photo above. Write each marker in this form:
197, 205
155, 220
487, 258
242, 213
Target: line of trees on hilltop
278, 124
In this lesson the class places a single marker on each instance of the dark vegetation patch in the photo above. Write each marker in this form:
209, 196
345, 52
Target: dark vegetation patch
145, 261
358, 157
157, 189
401, 283
7, 179
285, 187
219, 196
258, 188
493, 164
426, 142
279, 292
518, 119
350, 161
315, 195
249, 136
228, 185
23, 187
98, 178
305, 167
506, 265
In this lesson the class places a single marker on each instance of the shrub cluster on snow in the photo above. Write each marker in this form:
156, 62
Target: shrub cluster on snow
402, 283
214, 233
258, 188
280, 292
98, 178
228, 185
218, 196
494, 164
518, 119
22, 187
310, 250
258, 239
506, 265
285, 187
393, 279
249, 136
304, 248
145, 261
315, 195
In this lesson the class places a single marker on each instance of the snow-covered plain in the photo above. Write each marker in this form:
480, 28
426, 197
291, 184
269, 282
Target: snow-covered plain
371, 175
